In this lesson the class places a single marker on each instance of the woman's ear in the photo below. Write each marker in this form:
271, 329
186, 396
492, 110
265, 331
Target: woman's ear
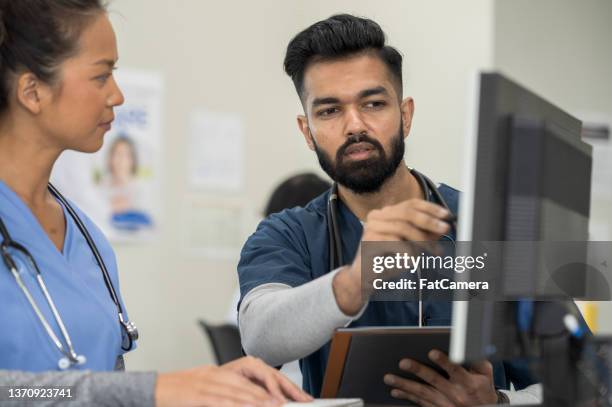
30, 92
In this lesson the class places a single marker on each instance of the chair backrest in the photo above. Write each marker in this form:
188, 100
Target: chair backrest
225, 340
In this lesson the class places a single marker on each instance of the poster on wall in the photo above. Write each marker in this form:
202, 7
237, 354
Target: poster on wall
216, 150
213, 228
119, 186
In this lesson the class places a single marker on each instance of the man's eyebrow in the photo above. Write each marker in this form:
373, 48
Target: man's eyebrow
111, 63
379, 90
325, 101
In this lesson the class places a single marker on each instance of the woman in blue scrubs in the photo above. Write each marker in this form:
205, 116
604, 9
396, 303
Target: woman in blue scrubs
57, 93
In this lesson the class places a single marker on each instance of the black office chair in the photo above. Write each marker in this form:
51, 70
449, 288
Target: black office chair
225, 340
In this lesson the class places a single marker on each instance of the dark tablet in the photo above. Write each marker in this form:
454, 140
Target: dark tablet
360, 357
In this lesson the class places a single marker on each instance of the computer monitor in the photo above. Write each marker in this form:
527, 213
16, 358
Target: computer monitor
527, 179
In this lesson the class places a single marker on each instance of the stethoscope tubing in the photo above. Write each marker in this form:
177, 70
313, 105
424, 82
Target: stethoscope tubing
92, 246
335, 239
129, 327
70, 355
8, 243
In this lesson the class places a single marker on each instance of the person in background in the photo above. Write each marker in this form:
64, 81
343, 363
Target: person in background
63, 321
296, 190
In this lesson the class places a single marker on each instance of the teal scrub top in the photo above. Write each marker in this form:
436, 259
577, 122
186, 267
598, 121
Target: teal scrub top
291, 247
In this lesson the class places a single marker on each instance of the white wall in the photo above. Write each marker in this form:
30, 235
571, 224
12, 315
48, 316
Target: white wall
563, 50
227, 56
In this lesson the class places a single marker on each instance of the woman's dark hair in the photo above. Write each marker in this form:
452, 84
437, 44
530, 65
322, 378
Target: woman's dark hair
38, 35
340, 36
297, 190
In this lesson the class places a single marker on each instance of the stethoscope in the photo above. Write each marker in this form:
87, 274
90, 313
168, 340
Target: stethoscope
70, 358
333, 230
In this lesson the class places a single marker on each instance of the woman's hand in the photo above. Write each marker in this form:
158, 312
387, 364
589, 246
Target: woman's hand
277, 384
243, 382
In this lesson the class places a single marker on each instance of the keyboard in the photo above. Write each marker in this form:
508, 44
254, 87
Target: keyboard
329, 403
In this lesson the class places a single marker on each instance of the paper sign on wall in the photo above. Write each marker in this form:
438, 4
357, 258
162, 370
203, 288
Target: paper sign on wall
216, 153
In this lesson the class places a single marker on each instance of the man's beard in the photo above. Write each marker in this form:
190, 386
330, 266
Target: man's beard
368, 175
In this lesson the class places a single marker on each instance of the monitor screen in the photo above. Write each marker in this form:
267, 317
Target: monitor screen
527, 179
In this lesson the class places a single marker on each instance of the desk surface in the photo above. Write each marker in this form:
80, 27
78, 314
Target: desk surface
404, 405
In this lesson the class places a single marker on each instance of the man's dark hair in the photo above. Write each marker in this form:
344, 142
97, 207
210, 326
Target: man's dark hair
340, 36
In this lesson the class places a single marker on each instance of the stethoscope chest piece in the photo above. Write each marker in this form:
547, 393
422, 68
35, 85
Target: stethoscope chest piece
131, 333
65, 363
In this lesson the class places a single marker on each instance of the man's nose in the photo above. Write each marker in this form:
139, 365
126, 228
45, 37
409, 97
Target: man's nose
354, 123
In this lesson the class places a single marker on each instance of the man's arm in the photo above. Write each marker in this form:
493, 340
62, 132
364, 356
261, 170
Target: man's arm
88, 388
279, 323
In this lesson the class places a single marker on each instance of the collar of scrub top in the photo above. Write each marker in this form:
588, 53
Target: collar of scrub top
129, 331
333, 230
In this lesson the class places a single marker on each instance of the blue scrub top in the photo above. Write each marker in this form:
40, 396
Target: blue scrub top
76, 285
292, 247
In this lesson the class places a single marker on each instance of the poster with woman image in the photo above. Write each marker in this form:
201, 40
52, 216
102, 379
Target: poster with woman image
119, 185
